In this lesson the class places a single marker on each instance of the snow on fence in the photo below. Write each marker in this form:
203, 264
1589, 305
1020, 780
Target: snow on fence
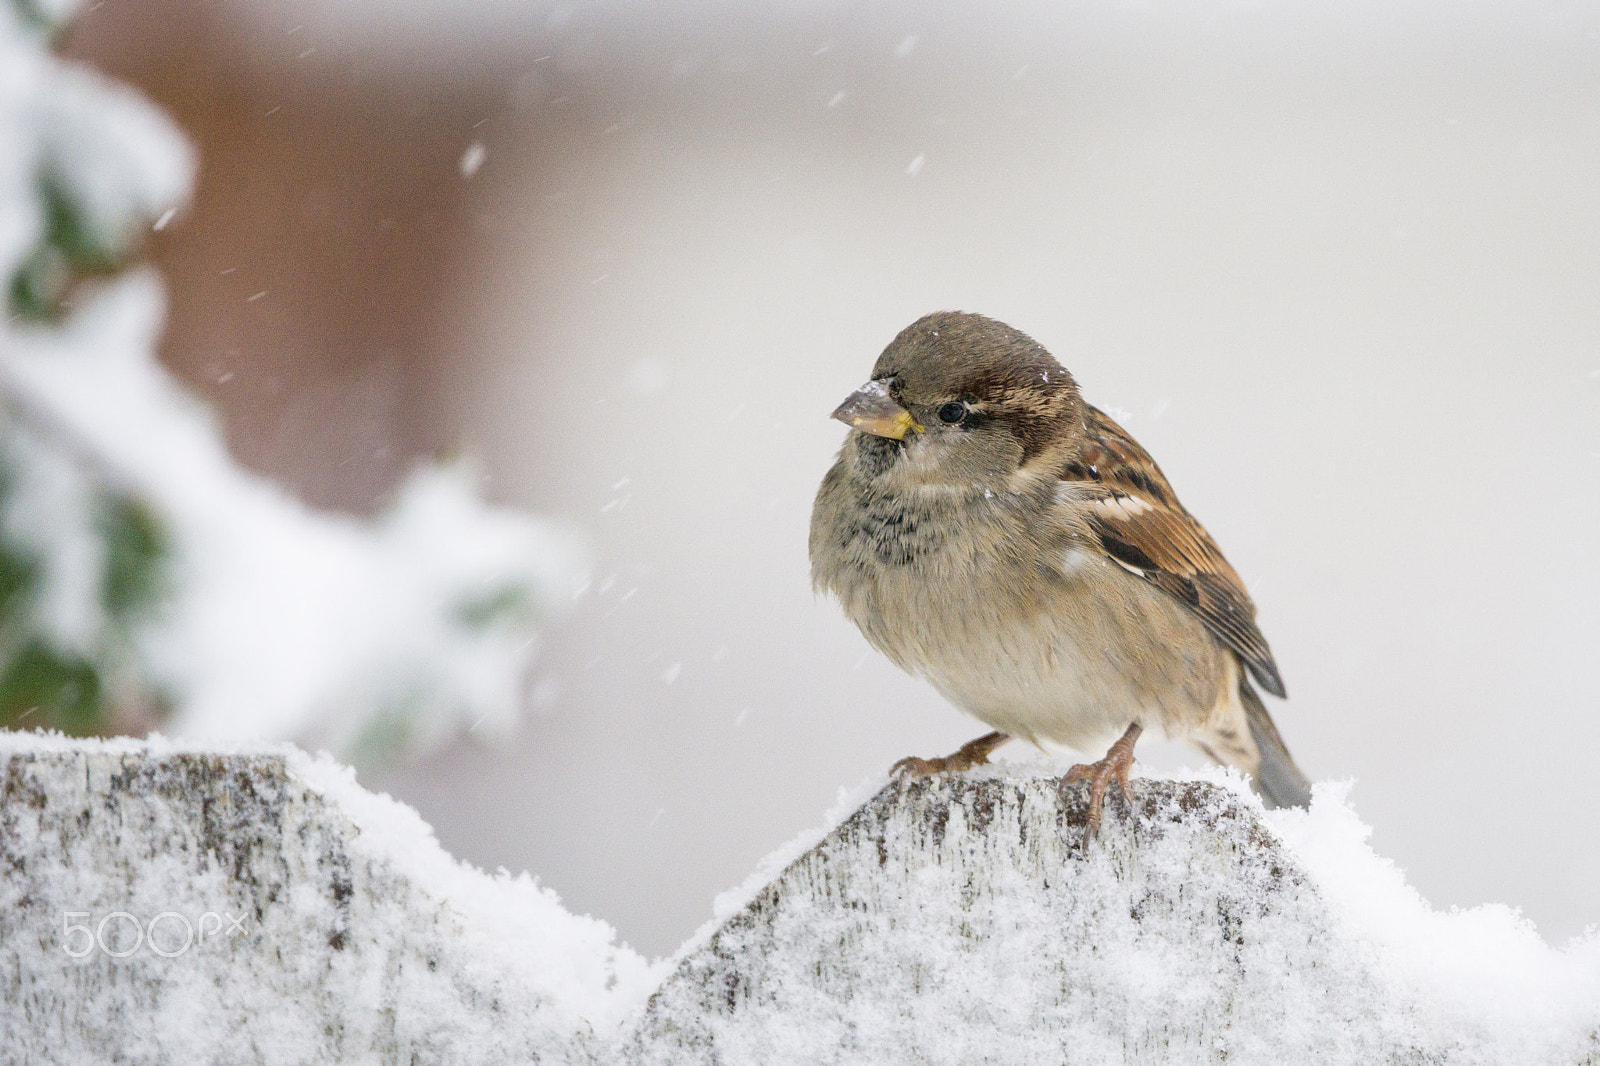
163, 904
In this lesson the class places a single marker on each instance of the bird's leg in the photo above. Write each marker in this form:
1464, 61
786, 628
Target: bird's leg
1114, 767
972, 753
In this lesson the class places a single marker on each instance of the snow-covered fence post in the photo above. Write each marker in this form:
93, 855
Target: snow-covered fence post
161, 905
167, 904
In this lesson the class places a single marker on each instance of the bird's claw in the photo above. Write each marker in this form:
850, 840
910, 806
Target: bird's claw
1101, 775
972, 753
911, 766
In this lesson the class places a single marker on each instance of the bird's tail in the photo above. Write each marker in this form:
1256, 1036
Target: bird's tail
1279, 781
1251, 743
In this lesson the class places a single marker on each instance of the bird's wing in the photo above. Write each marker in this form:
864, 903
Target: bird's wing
1140, 523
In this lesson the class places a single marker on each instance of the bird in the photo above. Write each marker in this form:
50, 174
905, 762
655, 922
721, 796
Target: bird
991, 532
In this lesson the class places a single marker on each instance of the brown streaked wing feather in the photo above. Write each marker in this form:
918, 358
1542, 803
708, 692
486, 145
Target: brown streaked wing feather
1142, 525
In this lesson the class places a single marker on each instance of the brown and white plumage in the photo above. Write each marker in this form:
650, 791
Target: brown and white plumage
1142, 525
1032, 562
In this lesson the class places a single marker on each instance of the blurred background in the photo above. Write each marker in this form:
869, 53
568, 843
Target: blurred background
1336, 265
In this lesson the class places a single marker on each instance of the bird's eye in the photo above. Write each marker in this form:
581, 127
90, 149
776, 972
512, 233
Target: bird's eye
952, 412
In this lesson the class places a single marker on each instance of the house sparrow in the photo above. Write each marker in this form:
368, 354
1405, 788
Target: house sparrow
988, 530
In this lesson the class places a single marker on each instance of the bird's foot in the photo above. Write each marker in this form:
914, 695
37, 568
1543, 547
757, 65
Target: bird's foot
1100, 775
972, 753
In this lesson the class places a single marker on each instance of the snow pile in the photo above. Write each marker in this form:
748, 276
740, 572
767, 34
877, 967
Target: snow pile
168, 905
961, 920
1482, 976
256, 617
165, 904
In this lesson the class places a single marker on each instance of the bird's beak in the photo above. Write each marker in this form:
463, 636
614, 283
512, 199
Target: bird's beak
871, 410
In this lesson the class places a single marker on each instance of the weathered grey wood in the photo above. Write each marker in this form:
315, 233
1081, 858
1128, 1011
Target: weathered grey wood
948, 920
337, 955
959, 920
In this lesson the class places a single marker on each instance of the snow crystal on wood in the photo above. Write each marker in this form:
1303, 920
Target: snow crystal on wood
962, 920
161, 904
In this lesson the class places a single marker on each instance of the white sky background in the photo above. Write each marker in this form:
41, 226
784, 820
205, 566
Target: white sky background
1341, 265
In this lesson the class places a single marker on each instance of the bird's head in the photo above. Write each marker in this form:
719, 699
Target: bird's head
961, 401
